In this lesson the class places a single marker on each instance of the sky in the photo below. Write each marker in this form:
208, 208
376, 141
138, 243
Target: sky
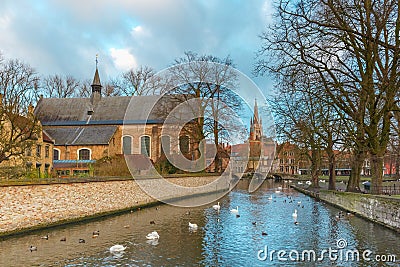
64, 36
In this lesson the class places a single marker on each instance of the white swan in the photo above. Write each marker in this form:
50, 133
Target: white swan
270, 197
235, 210
216, 207
295, 214
117, 248
299, 182
192, 226
277, 191
308, 183
153, 235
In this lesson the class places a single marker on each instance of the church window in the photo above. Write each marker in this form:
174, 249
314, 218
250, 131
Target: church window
84, 154
184, 144
145, 145
127, 145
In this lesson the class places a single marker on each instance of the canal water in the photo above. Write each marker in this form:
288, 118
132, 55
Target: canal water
264, 234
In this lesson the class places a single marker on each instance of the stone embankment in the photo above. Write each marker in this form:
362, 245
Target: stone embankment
29, 207
383, 210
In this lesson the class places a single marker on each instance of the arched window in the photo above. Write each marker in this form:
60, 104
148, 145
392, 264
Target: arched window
127, 145
56, 154
145, 145
184, 144
165, 145
84, 154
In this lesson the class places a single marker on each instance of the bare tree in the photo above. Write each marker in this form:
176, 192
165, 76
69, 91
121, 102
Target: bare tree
136, 82
18, 126
353, 46
210, 85
58, 86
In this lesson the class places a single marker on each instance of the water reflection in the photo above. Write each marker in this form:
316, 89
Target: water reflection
221, 239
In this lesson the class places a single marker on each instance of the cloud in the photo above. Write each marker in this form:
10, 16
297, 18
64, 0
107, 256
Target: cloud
64, 36
123, 59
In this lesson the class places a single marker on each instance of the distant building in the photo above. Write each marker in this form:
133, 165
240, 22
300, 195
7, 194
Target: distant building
257, 154
288, 160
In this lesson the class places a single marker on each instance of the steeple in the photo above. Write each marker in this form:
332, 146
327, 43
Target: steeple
255, 125
255, 112
96, 86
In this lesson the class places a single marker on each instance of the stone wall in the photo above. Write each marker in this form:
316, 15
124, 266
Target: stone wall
380, 209
36, 206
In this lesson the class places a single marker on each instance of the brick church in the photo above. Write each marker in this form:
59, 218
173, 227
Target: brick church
87, 129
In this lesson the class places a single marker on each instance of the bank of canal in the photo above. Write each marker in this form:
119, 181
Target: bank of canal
25, 208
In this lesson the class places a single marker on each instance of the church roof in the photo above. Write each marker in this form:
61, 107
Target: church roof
108, 110
85, 135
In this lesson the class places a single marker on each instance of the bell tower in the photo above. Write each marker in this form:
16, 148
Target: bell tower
96, 86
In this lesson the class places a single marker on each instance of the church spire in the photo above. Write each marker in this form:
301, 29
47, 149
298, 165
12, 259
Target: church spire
255, 125
256, 120
96, 85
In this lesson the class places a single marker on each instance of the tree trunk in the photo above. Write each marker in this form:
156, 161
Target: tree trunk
315, 168
332, 171
377, 174
356, 165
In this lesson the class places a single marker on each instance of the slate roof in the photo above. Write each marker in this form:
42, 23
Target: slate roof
86, 135
107, 111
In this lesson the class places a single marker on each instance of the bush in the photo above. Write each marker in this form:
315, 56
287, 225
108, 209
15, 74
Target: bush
111, 166
163, 166
16, 172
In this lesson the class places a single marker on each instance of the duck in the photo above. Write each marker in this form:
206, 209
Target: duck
254, 223
300, 183
277, 191
32, 248
95, 234
63, 239
192, 226
216, 207
270, 197
152, 222
81, 240
308, 183
153, 235
264, 233
294, 215
235, 210
117, 248
45, 237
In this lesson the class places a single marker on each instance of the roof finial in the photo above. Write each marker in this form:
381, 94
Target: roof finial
97, 55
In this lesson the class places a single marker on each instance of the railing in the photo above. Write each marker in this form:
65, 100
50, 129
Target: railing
384, 190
